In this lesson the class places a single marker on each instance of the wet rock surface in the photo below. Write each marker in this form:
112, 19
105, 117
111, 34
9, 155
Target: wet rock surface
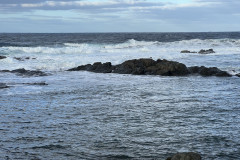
185, 156
211, 71
24, 72
151, 67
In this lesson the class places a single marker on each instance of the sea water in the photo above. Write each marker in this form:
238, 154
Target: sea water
83, 115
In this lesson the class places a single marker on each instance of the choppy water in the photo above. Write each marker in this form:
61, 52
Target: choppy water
82, 115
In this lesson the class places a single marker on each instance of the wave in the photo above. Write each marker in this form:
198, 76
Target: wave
70, 55
78, 48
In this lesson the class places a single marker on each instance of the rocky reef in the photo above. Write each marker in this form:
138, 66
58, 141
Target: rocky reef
151, 67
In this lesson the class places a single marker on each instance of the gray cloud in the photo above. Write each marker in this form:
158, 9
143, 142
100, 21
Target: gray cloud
123, 15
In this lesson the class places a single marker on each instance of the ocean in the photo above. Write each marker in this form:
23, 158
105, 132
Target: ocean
85, 115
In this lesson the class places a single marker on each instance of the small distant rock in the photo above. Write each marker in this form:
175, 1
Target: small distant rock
38, 84
185, 156
209, 51
187, 51
3, 57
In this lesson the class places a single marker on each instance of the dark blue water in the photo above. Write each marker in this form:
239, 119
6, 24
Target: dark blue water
40, 39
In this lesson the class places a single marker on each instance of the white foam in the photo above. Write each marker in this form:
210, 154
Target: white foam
69, 55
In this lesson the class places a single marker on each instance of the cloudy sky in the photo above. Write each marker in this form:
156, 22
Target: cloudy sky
119, 15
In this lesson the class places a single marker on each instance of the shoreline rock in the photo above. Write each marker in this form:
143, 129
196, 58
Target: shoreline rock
151, 67
185, 156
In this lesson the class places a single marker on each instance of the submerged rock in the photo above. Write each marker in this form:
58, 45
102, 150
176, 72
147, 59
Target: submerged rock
3, 57
23, 58
3, 85
151, 67
23, 72
185, 156
209, 51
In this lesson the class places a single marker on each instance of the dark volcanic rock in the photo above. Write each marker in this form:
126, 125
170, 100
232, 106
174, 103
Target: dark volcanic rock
3, 57
135, 66
238, 74
186, 156
211, 71
138, 67
151, 67
209, 51
23, 72
168, 68
3, 85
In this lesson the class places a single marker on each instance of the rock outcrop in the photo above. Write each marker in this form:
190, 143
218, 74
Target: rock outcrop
23, 72
238, 74
3, 57
186, 156
151, 67
138, 67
